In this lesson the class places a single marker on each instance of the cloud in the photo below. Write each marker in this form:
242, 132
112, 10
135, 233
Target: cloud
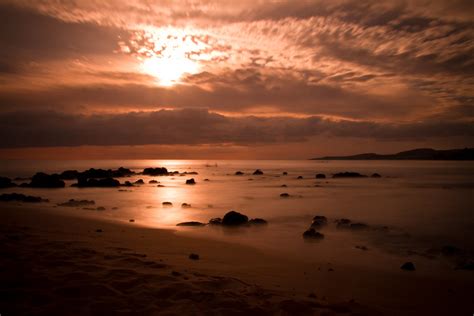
193, 126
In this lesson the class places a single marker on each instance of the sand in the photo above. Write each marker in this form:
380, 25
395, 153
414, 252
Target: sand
56, 264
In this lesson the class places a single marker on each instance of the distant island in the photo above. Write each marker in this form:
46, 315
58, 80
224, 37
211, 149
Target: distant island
415, 154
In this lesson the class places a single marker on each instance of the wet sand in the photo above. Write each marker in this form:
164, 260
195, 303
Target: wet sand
55, 264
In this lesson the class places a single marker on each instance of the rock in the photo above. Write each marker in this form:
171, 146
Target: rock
185, 205
131, 220
343, 222
18, 197
160, 186
155, 171
234, 218
6, 183
99, 230
258, 221
139, 181
190, 181
239, 173
103, 173
77, 203
312, 234
319, 221
408, 266
194, 256
364, 248
167, 204
127, 184
69, 174
449, 250
43, 180
257, 172
320, 176
190, 224
206, 180
100, 208
285, 173
284, 186
358, 226
299, 177
153, 181
215, 221
189, 172
376, 175
348, 175
284, 195
97, 183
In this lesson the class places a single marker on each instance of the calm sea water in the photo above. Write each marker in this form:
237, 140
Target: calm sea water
425, 204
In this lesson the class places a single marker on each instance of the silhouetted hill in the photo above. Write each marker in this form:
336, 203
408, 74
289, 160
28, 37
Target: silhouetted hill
415, 154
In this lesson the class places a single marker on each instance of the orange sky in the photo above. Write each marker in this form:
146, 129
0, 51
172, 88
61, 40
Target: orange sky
220, 79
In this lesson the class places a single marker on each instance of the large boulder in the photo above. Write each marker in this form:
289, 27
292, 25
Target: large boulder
97, 183
43, 180
234, 218
155, 171
6, 183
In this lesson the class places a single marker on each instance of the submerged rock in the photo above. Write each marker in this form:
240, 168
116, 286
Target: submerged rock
376, 175
100, 208
191, 224
43, 180
299, 177
77, 203
18, 197
153, 181
215, 221
284, 186
348, 174
343, 222
319, 221
185, 205
408, 266
257, 172
239, 173
190, 181
285, 173
284, 195
194, 256
6, 183
167, 204
320, 176
258, 221
234, 218
155, 171
312, 234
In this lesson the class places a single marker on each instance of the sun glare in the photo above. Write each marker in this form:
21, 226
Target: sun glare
168, 70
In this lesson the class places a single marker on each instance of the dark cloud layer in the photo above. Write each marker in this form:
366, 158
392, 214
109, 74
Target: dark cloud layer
191, 126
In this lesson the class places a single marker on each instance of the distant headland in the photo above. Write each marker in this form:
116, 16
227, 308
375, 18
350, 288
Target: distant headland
415, 154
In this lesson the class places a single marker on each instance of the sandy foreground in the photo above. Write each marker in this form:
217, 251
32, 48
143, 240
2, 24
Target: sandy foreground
57, 264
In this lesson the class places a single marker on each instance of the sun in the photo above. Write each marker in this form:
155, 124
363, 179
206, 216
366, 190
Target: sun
168, 70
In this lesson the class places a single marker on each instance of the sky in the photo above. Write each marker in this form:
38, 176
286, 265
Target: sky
233, 79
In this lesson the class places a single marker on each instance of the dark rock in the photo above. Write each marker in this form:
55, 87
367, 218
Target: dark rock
449, 250
43, 180
358, 226
127, 184
320, 176
283, 185
100, 208
215, 221
69, 174
408, 266
185, 205
285, 173
206, 180
194, 256
96, 183
348, 175
364, 248
160, 186
167, 204
155, 171
258, 172
153, 181
190, 181
284, 195
376, 175
343, 222
139, 181
299, 177
189, 172
77, 203
191, 224
103, 173
234, 218
312, 234
131, 220
99, 230
258, 221
18, 197
6, 183
239, 173
319, 221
